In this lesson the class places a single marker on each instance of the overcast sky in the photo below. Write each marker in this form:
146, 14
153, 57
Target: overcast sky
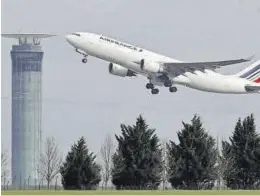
85, 100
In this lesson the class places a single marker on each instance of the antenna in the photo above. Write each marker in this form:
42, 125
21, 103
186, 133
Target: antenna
28, 38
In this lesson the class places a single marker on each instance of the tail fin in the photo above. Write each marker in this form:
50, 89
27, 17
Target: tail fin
252, 72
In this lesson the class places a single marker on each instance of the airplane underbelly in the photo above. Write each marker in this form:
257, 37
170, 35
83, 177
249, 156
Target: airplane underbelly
217, 84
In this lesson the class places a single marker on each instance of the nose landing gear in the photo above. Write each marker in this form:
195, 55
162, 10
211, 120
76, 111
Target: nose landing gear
84, 60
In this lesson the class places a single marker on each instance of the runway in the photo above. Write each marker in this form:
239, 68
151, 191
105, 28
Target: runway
138, 195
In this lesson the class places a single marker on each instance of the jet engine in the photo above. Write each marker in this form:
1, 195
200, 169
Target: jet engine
118, 70
150, 66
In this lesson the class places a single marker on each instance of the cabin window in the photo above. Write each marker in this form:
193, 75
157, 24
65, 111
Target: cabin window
76, 34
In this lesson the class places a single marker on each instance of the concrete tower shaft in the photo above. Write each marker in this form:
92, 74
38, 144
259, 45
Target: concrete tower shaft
26, 111
27, 59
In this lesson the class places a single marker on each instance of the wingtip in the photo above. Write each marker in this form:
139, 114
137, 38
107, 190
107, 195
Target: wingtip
250, 58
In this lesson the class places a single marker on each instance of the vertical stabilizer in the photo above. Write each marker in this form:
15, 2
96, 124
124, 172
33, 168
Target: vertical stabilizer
251, 73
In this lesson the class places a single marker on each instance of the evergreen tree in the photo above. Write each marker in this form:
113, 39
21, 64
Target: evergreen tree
138, 160
192, 162
79, 171
242, 155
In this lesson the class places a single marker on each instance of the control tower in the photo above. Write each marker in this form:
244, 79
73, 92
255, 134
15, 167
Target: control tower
27, 59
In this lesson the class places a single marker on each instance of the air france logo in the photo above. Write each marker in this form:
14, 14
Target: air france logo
121, 44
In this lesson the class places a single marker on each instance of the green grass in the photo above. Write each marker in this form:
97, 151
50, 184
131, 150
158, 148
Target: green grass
110, 192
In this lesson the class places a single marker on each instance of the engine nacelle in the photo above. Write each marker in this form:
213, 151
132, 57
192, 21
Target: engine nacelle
150, 66
118, 70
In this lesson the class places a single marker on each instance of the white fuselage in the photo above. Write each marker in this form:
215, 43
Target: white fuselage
113, 52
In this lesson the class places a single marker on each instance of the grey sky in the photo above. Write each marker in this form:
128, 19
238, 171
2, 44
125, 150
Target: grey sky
85, 100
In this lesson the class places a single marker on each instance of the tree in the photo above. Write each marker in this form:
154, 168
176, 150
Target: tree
138, 160
80, 171
4, 169
107, 151
192, 161
50, 161
242, 155
164, 164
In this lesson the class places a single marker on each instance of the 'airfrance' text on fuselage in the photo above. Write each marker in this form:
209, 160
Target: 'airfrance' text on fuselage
120, 44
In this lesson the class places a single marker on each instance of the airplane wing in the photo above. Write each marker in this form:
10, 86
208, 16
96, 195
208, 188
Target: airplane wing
178, 67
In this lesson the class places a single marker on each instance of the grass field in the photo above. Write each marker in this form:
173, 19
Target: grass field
122, 193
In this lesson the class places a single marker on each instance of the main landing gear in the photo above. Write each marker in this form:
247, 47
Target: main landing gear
153, 90
84, 60
173, 89
168, 83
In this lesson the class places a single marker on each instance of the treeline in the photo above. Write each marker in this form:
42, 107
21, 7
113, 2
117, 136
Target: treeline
138, 159
141, 161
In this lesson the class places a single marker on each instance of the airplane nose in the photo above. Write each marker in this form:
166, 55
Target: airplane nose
71, 40
68, 38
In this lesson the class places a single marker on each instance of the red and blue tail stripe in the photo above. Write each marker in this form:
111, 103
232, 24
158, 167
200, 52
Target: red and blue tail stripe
253, 73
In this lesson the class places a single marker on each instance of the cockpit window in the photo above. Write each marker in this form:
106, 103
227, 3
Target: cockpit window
76, 34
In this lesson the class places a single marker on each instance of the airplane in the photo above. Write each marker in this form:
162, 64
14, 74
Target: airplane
126, 60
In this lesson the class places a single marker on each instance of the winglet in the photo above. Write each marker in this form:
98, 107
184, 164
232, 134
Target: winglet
250, 58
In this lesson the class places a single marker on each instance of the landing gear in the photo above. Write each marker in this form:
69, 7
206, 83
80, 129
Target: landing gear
168, 83
149, 86
155, 91
172, 89
84, 60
